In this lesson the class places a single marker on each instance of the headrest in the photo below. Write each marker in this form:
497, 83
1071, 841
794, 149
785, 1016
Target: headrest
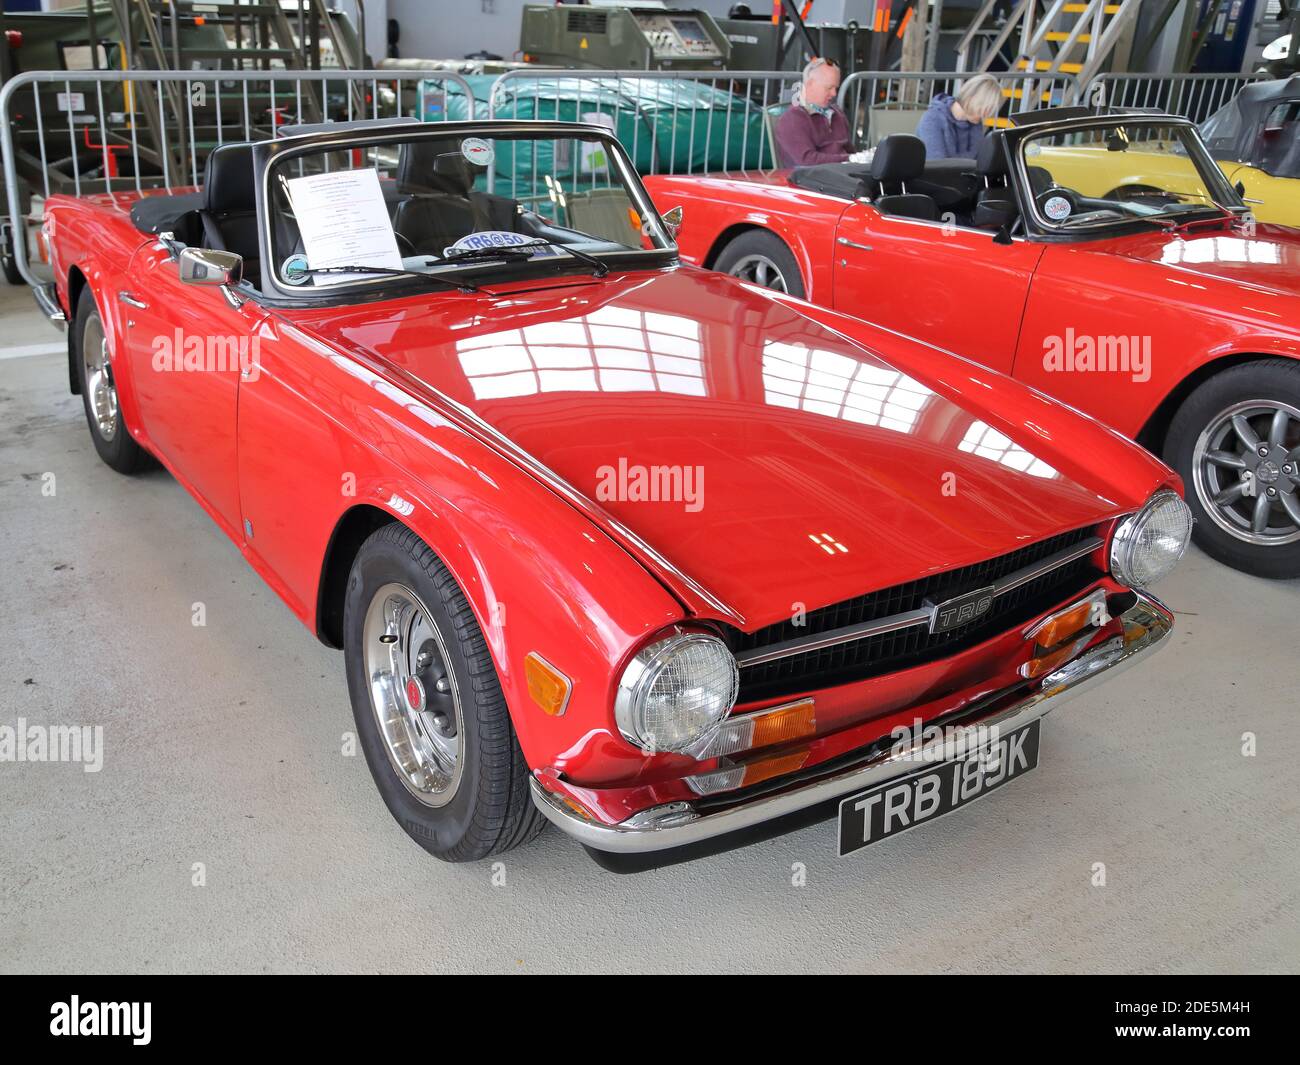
994, 214
991, 159
898, 157
228, 179
434, 166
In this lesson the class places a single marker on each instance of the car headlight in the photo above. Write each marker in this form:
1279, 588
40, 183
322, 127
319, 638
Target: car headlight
676, 691
1148, 544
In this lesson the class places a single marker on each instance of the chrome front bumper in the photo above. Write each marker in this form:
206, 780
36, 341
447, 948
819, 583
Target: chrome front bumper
1146, 624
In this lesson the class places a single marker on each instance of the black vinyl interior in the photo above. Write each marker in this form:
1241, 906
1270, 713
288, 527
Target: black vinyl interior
902, 182
228, 216
431, 201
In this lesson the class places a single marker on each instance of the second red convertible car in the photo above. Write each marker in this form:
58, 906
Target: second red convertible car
1102, 259
606, 540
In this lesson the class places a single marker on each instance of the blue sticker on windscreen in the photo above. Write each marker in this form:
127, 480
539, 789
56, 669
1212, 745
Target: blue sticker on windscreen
496, 238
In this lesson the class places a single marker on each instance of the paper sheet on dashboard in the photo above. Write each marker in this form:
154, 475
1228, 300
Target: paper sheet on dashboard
344, 222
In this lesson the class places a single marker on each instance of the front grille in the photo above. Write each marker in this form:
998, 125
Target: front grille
892, 651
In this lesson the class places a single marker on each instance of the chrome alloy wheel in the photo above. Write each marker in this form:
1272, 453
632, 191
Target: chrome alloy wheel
413, 694
760, 270
101, 392
1246, 468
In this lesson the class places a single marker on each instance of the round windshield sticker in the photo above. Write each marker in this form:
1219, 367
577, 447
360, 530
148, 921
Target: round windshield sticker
495, 238
477, 151
294, 270
1033, 149
1056, 208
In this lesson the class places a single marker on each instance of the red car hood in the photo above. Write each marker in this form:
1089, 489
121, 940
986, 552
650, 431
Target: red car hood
1268, 260
800, 465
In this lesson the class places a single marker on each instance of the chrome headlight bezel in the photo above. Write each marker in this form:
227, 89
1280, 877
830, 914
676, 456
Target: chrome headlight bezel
638, 680
1127, 540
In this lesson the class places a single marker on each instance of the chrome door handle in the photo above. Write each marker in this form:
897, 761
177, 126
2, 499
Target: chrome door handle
131, 301
852, 244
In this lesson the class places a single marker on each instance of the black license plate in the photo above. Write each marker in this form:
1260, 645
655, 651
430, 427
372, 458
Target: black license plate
936, 789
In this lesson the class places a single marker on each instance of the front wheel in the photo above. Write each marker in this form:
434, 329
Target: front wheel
430, 714
112, 440
762, 258
1235, 441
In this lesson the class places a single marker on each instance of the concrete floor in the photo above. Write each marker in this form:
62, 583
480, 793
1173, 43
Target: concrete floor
223, 747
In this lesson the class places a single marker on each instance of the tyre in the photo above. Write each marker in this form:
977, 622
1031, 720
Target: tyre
99, 391
7, 261
430, 714
1235, 441
762, 258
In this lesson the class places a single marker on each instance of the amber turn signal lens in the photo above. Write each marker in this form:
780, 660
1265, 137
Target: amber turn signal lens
1045, 661
770, 768
1090, 612
788, 723
547, 685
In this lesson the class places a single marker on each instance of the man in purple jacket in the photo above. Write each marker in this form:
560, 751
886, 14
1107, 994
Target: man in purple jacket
814, 130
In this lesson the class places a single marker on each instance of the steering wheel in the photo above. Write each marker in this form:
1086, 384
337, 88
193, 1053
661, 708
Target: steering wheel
1056, 204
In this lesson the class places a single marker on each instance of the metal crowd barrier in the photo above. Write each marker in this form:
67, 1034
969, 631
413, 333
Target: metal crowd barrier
1194, 96
110, 131
79, 131
882, 102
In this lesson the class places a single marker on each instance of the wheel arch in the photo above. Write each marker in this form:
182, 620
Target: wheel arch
778, 229
1156, 428
354, 526
77, 283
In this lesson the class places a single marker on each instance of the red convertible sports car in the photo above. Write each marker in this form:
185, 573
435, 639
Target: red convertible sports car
1103, 259
610, 541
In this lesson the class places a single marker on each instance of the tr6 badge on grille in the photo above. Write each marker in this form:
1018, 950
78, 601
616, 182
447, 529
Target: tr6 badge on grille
960, 609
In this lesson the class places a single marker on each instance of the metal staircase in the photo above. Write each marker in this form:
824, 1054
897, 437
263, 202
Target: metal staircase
1074, 39
222, 35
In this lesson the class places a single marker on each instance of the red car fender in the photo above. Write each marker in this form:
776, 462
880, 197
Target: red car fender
84, 247
401, 459
715, 207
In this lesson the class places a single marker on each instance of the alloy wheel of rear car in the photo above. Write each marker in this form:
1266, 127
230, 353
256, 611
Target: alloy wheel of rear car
101, 392
759, 270
1246, 471
413, 694
760, 257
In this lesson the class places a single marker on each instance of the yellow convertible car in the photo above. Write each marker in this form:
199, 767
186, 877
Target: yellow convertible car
1254, 139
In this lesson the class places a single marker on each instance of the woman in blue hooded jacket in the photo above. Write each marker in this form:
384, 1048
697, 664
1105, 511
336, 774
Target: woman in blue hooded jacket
952, 128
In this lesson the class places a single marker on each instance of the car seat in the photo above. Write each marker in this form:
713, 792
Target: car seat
900, 158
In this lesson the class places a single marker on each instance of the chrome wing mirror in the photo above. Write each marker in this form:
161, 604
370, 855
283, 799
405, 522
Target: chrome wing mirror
673, 221
208, 266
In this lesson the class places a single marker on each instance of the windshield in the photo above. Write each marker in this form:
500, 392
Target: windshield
445, 205
1100, 175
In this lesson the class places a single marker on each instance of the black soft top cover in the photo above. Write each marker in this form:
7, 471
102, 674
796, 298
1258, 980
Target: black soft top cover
162, 214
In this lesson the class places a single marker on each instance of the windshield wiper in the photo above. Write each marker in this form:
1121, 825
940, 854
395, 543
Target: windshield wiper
385, 271
519, 252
